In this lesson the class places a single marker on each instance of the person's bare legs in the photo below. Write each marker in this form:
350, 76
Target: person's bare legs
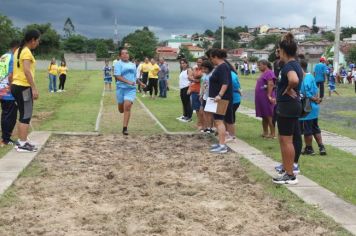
308, 140
265, 126
230, 128
272, 129
127, 112
120, 107
220, 126
288, 153
23, 131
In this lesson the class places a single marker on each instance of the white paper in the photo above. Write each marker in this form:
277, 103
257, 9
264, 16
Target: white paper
211, 105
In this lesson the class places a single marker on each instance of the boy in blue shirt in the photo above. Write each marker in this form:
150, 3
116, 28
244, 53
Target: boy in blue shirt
320, 74
8, 104
332, 82
309, 124
107, 76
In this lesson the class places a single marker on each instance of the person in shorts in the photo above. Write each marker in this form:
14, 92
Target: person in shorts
125, 75
194, 90
107, 76
23, 87
207, 68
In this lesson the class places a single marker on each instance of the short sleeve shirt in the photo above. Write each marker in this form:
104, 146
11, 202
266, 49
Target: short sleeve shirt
320, 70
126, 70
283, 80
221, 76
309, 89
107, 72
19, 77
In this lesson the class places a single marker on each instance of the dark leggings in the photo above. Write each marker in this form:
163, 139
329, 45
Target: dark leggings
8, 118
355, 85
321, 88
187, 106
152, 84
62, 81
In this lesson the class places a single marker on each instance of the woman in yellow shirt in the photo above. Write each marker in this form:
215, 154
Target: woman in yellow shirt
62, 71
52, 76
153, 78
23, 87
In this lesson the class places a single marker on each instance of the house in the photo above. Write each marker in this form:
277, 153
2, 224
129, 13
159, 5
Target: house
195, 50
350, 40
167, 53
276, 31
344, 51
246, 37
313, 50
264, 29
261, 54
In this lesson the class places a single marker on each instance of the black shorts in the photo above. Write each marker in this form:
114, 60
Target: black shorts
228, 117
235, 107
287, 126
309, 127
24, 99
203, 103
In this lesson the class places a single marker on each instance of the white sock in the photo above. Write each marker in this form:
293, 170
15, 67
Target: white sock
21, 142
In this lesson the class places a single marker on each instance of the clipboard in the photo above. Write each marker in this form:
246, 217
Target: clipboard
219, 107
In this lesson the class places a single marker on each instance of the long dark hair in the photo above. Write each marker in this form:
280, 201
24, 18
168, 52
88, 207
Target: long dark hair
289, 45
30, 35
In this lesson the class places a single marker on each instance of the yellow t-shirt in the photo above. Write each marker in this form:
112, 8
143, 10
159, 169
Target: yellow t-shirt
53, 69
19, 77
146, 67
62, 70
153, 73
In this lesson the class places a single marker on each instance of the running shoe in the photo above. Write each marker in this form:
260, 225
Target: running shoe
308, 151
220, 150
279, 168
285, 179
12, 143
216, 145
27, 147
185, 119
208, 131
322, 151
180, 118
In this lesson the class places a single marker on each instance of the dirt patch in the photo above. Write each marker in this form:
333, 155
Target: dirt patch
144, 185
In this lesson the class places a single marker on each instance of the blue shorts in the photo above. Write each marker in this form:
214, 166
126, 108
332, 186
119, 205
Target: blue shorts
195, 101
108, 80
309, 127
125, 94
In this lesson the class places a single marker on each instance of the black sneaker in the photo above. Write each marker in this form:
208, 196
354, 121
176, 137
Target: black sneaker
27, 147
285, 179
308, 151
322, 151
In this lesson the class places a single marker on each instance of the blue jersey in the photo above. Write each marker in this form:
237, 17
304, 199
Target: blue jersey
309, 89
320, 70
236, 87
126, 70
107, 72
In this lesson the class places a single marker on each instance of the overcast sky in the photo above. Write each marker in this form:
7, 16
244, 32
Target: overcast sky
95, 18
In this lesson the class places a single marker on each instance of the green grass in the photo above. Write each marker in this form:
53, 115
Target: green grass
323, 170
73, 110
350, 114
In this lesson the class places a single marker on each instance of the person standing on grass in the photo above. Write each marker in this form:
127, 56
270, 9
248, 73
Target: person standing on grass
207, 69
145, 69
153, 79
138, 74
236, 101
332, 82
107, 76
265, 98
184, 83
194, 90
162, 78
220, 87
354, 77
309, 124
8, 104
253, 68
320, 74
23, 87
125, 75
62, 71
289, 108
52, 76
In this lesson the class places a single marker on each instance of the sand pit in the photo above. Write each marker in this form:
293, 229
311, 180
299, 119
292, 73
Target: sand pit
143, 185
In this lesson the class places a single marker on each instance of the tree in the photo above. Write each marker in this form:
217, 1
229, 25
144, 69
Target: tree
228, 43
315, 29
75, 43
253, 59
7, 33
101, 50
330, 36
185, 53
262, 42
347, 32
209, 33
351, 57
68, 28
142, 43
49, 38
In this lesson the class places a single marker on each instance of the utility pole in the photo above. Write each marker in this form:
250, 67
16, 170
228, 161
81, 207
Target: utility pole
222, 23
337, 37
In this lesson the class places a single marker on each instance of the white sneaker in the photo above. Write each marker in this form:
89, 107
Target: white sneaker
52, 91
59, 91
220, 150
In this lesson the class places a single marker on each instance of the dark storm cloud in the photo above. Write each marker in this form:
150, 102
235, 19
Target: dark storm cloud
95, 18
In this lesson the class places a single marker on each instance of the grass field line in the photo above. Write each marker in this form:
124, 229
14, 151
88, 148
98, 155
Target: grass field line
160, 124
100, 114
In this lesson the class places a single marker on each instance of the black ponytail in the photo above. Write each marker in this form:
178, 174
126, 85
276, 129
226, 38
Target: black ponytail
289, 45
31, 34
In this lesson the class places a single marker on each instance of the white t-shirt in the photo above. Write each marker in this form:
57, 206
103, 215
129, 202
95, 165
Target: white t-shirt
354, 75
138, 71
183, 79
254, 67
